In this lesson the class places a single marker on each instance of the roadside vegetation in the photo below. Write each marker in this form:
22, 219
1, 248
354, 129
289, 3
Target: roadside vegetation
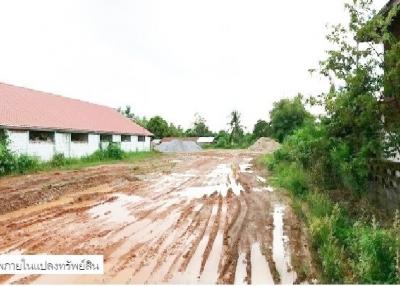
323, 163
11, 163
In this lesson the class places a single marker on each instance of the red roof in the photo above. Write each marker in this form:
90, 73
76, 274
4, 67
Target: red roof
24, 108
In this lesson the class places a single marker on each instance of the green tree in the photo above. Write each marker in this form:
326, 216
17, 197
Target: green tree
127, 112
235, 127
158, 126
142, 121
288, 115
354, 103
261, 129
175, 131
200, 128
7, 158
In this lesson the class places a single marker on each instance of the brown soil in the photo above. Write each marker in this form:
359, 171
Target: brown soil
188, 218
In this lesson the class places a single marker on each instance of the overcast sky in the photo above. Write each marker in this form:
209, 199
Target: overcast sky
169, 58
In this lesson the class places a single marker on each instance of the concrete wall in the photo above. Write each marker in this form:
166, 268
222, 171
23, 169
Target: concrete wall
80, 149
384, 187
130, 146
143, 146
20, 144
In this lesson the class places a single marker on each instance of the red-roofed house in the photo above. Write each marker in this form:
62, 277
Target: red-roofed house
43, 124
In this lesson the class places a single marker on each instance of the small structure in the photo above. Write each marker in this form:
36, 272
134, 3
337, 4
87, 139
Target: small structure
42, 124
205, 140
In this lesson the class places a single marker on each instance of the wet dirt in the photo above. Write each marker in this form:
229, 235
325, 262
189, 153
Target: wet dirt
208, 217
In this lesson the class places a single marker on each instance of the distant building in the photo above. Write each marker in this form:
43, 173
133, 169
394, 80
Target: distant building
205, 140
43, 124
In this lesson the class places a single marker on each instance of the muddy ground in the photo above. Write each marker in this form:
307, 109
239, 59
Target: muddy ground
209, 217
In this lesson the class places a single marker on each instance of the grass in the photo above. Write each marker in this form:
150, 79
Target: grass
75, 163
24, 164
347, 249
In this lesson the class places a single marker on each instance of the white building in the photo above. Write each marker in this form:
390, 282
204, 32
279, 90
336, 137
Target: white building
205, 140
42, 124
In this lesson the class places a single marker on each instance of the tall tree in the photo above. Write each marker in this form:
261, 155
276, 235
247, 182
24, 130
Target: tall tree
158, 126
236, 129
127, 112
261, 129
200, 128
288, 115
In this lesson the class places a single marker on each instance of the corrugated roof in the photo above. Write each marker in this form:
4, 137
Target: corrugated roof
26, 108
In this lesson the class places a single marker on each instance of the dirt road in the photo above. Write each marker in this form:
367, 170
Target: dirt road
201, 218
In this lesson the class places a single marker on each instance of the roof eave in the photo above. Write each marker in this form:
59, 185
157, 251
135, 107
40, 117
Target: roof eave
55, 129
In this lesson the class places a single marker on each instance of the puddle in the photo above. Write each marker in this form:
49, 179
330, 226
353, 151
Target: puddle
117, 210
210, 273
197, 208
261, 179
269, 189
234, 185
13, 252
260, 272
220, 171
222, 179
241, 272
245, 168
280, 255
192, 271
265, 189
199, 192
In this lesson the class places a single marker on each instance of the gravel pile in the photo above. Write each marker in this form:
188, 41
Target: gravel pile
178, 146
265, 145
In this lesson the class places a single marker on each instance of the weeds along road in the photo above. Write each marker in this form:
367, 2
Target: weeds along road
208, 217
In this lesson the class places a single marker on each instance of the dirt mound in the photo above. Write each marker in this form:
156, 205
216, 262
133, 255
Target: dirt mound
178, 146
265, 144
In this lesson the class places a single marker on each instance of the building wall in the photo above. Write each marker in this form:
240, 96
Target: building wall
79, 149
144, 146
20, 144
129, 146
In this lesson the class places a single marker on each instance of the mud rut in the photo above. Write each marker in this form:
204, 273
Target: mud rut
209, 219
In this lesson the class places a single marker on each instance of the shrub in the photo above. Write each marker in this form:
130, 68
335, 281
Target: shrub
293, 178
58, 160
350, 168
7, 158
288, 115
325, 225
26, 163
332, 261
376, 249
114, 151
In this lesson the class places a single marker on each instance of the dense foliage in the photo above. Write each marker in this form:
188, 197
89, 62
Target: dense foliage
262, 129
158, 126
286, 116
199, 128
333, 154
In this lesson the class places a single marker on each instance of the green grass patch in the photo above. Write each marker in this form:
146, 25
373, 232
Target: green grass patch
13, 164
347, 249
